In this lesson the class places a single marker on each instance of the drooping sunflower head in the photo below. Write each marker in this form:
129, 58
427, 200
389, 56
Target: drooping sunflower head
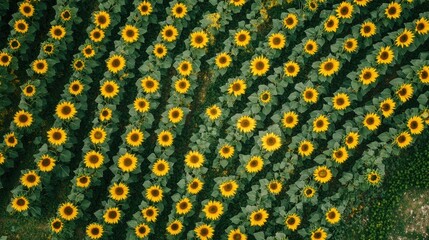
368, 75
130, 34
127, 162
20, 204
310, 47
23, 119
344, 10
93, 159
405, 92
57, 136
213, 210
368, 29
352, 140
255, 164
119, 191
320, 124
142, 230
393, 10
57, 32
154, 193
305, 148
109, 89
175, 227
94, 231
223, 60
271, 142
290, 21
76, 87
175, 114
40, 66
242, 38
195, 186
150, 213
183, 206
66, 15
46, 163
322, 174
277, 41
415, 125
292, 221
258, 217
65, 110
145, 8
246, 124
102, 19
404, 139
404, 39
14, 44
141, 105
340, 155
68, 211
213, 112
237, 87
116, 63
331, 24
179, 10
169, 33
228, 188
371, 121
112, 215
350, 45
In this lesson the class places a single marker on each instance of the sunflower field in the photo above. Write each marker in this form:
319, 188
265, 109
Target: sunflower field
186, 119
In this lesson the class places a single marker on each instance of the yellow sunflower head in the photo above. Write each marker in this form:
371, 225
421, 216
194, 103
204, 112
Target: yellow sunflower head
141, 105
322, 174
83, 181
340, 155
159, 50
385, 55
160, 168
350, 45
368, 29
308, 191
405, 92
130, 34
305, 148
76, 87
40, 66
142, 230
105, 114
185, 68
57, 136
93, 159
109, 89
165, 138
393, 10
150, 213
404, 39
88, 51
182, 85
213, 112
179, 10
223, 60
341, 101
57, 32
373, 178
331, 24
154, 193
149, 84
68, 211
112, 215
242, 38
46, 163
20, 204
259, 66
371, 121
329, 67
14, 44
277, 41
96, 35
145, 8
258, 217
275, 187
290, 21
127, 162
119, 191
424, 74
175, 227
320, 124
20, 26
228, 188
134, 137
116, 63
65, 110
102, 19
194, 159
246, 124
422, 26
94, 231
236, 234
291, 69
199, 39
237, 87
368, 75
213, 210
255, 164
344, 10
271, 142
195, 186
23, 119
26, 9
310, 47
352, 140
404, 139
169, 33
56, 225
333, 216
415, 125
204, 231
183, 206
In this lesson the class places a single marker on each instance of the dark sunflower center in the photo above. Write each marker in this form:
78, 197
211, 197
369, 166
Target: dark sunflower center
116, 62
150, 84
392, 10
68, 210
183, 205
420, 26
194, 159
213, 209
254, 163
222, 60
22, 26
155, 192
194, 185
260, 65
330, 23
31, 178
344, 11
142, 104
23, 118
257, 217
309, 47
290, 69
320, 123
236, 87
184, 67
227, 187
119, 191
88, 50
370, 121
339, 154
11, 139
317, 235
29, 89
226, 150
128, 162
401, 139
48, 48
66, 110
58, 32
242, 37
40, 65
350, 139
179, 10
142, 230
149, 212
112, 214
322, 173
144, 8
66, 15
373, 177
271, 141
414, 125
130, 33
109, 88
168, 32
402, 92
213, 111
94, 159
27, 9
182, 84
265, 96
161, 167
304, 147
276, 40
273, 186
98, 135
20, 202
14, 44
105, 113
204, 232
236, 236
308, 191
199, 39
403, 38
384, 55
83, 180
135, 137
102, 19
289, 21
95, 231
289, 119
367, 29
96, 34
46, 162
165, 138
291, 221
367, 75
245, 123
349, 44
424, 74
56, 225
174, 226
340, 101
160, 50
57, 135
329, 66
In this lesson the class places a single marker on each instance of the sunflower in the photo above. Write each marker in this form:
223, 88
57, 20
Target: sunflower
20, 204
159, 50
145, 8
165, 138
109, 89
160, 168
404, 139
20, 26
213, 210
199, 39
344, 10
23, 119
237, 3
175, 114
182, 85
57, 32
88, 51
424, 74
373, 178
119, 191
78, 65
154, 193
422, 26
265, 97
331, 24
83, 181
127, 162
94, 231
14, 44
340, 101
237, 87
242, 38
292, 221
352, 140
226, 151
10, 140
179, 10
65, 110
322, 174
259, 66
40, 66
318, 234
361, 3
405, 92
5, 59
142, 230
258, 217
96, 35
333, 216
223, 60
2, 158
169, 33
371, 121
350, 45
271, 142
310, 47
312, 5
48, 48
308, 191
228, 188
183, 206
385, 55
320, 124
340, 155
415, 124
149, 84
150, 213
141, 105
76, 87
93, 159
368, 75
368, 29
291, 69
235, 234
116, 63
46, 163
185, 68
102, 19
255, 164
57, 136
66, 15
305, 148
290, 119
393, 10
112, 215
195, 186
175, 227
105, 114
68, 211
290, 21
134, 138
29, 90
329, 67
213, 112
204, 231
277, 41
194, 159
26, 9
97, 135
56, 225
130, 34
275, 187
404, 39
246, 124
